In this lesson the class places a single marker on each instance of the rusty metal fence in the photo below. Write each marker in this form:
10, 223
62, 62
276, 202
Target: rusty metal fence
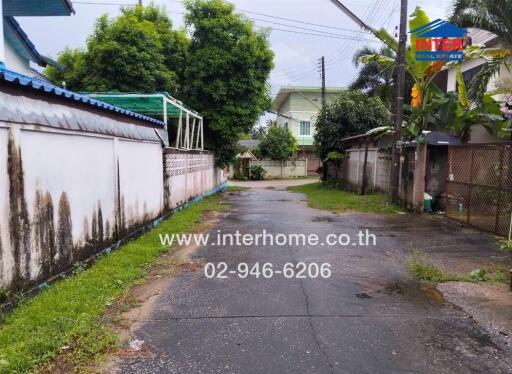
479, 188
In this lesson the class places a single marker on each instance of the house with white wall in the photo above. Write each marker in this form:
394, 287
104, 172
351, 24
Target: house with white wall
17, 52
297, 109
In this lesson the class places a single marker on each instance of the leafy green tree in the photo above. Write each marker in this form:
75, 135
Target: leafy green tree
351, 113
73, 75
137, 51
227, 72
278, 144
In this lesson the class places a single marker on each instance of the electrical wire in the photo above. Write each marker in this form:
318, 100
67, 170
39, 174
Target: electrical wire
313, 34
286, 19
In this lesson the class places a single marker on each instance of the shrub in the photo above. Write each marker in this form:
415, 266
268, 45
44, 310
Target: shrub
258, 173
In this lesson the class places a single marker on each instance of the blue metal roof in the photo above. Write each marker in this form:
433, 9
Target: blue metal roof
27, 8
41, 86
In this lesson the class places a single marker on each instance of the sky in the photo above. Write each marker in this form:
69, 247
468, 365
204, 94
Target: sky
297, 54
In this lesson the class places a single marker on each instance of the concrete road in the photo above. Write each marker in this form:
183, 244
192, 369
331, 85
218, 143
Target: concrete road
368, 317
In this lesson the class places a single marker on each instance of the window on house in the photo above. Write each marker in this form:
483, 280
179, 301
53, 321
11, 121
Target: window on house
286, 125
305, 128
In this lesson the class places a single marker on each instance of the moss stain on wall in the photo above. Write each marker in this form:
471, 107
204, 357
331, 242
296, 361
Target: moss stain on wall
19, 224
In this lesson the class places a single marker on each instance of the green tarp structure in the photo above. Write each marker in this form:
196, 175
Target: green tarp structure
151, 105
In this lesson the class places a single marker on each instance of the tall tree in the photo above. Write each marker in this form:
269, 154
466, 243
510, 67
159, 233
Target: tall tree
227, 73
137, 51
375, 78
351, 113
494, 16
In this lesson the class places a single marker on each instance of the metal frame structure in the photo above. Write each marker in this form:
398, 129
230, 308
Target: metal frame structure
190, 132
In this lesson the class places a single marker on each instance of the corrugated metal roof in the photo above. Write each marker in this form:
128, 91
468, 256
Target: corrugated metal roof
41, 86
37, 8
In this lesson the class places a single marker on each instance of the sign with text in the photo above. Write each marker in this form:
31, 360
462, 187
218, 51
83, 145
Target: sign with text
439, 41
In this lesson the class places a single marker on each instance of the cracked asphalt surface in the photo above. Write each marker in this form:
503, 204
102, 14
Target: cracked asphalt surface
368, 317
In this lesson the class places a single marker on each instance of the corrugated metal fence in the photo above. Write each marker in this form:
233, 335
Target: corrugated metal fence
479, 190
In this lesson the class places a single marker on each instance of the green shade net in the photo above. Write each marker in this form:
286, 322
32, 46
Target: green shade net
151, 106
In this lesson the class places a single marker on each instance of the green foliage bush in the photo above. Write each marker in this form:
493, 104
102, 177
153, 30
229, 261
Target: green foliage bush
278, 144
137, 51
351, 113
257, 173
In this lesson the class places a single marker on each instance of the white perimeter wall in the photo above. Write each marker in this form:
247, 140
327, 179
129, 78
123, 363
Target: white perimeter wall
83, 166
189, 174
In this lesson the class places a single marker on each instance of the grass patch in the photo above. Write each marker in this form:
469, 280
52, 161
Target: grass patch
425, 270
329, 198
237, 188
66, 315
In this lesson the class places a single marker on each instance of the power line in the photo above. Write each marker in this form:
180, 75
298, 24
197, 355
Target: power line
296, 27
287, 19
312, 34
298, 21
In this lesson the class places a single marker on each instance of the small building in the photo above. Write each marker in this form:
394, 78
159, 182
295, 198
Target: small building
367, 164
297, 109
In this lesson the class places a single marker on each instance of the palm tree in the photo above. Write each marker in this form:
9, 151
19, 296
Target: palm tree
494, 16
373, 77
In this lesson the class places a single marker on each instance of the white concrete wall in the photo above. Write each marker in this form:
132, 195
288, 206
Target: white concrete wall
189, 174
5, 256
141, 179
377, 169
283, 169
60, 169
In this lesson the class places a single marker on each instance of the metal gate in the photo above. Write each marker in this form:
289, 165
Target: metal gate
479, 188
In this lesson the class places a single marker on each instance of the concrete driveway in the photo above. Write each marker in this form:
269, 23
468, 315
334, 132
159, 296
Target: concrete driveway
368, 317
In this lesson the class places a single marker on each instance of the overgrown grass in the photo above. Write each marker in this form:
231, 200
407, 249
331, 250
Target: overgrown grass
67, 313
328, 198
425, 270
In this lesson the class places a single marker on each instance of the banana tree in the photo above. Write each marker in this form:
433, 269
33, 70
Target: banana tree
454, 112
422, 73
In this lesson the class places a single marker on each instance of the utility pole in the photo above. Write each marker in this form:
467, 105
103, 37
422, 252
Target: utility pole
322, 61
394, 180
140, 2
